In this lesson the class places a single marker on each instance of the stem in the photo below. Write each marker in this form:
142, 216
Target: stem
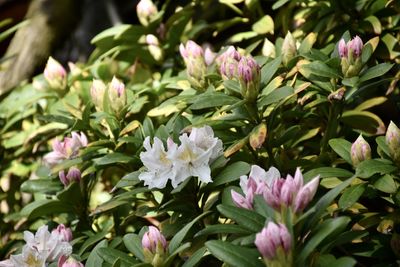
335, 111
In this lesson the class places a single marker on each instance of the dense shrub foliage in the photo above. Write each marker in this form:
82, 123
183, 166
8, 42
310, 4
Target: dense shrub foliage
243, 133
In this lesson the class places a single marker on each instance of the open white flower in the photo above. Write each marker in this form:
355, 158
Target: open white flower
261, 177
158, 163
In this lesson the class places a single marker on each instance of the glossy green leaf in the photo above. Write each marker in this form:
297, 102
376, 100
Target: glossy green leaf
245, 218
386, 184
134, 244
375, 71
215, 99
234, 255
367, 168
351, 195
342, 148
231, 173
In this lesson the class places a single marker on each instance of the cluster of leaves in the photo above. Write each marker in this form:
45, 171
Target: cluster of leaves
299, 119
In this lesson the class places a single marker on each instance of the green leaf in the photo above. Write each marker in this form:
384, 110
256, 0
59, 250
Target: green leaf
113, 158
43, 207
276, 96
178, 238
386, 184
364, 120
367, 168
234, 255
321, 69
375, 71
246, 218
376, 101
325, 172
381, 141
223, 229
328, 228
307, 43
110, 255
264, 25
196, 257
351, 195
41, 185
342, 148
231, 173
376, 24
268, 70
91, 241
134, 244
94, 260
215, 99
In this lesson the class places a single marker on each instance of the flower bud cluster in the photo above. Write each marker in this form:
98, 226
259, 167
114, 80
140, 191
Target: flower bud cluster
43, 248
360, 151
350, 54
146, 11
393, 141
274, 243
191, 158
243, 68
196, 62
155, 248
115, 92
278, 193
55, 74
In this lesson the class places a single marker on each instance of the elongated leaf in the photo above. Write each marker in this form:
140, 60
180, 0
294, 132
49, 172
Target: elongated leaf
216, 99
275, 96
268, 70
234, 255
351, 195
367, 168
232, 173
178, 238
325, 172
329, 227
223, 229
113, 158
94, 260
195, 259
134, 244
110, 255
246, 218
321, 69
386, 184
375, 71
342, 148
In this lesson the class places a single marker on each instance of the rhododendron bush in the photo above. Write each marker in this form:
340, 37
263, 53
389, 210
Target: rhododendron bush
213, 133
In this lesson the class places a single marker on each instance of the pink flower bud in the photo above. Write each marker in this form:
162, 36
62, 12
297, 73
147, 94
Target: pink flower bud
146, 11
249, 76
342, 48
306, 194
228, 63
271, 238
55, 74
360, 151
153, 240
209, 55
63, 261
63, 233
393, 141
196, 68
73, 175
241, 201
97, 92
117, 95
356, 46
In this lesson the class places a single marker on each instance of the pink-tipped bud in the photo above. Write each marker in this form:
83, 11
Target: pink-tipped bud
228, 63
63, 233
97, 92
393, 141
289, 49
73, 175
305, 195
241, 201
117, 95
153, 239
146, 11
55, 74
360, 151
249, 75
196, 68
273, 240
209, 55
63, 261
342, 48
356, 46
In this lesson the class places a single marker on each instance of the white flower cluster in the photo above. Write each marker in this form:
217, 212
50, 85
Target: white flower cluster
191, 158
42, 248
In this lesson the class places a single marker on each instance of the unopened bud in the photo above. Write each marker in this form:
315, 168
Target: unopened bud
350, 54
97, 92
63, 261
146, 11
64, 233
55, 74
257, 136
155, 248
73, 175
228, 63
289, 49
342, 48
196, 68
356, 46
274, 243
249, 76
117, 95
209, 55
154, 47
393, 141
360, 151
